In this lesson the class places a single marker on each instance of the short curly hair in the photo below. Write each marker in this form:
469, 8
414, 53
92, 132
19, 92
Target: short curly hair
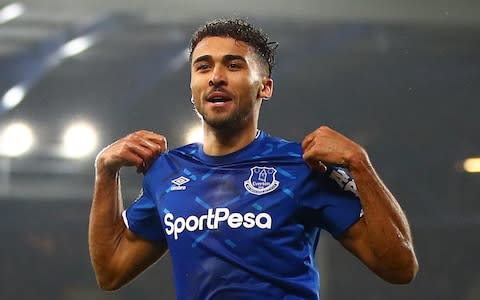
241, 30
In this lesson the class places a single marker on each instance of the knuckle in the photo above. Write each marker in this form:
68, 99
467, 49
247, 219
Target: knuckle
324, 128
162, 139
150, 152
124, 146
132, 136
163, 142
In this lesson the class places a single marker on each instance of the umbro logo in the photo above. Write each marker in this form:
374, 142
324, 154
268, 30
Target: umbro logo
179, 183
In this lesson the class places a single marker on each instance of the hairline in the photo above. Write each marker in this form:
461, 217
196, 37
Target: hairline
264, 66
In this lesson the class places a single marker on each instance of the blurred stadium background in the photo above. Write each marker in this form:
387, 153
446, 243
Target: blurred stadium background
400, 77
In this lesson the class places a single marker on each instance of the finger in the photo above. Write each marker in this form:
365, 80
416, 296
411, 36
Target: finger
140, 149
146, 153
307, 141
159, 140
321, 167
153, 136
155, 148
142, 168
317, 165
319, 132
154, 142
311, 147
311, 152
130, 158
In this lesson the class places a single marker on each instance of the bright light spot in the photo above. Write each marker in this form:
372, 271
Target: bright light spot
76, 46
472, 165
16, 139
13, 97
79, 140
194, 135
11, 12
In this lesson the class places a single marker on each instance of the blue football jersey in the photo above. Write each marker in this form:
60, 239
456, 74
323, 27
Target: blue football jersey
244, 225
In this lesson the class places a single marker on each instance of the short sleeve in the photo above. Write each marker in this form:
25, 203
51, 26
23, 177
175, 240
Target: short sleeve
331, 201
142, 218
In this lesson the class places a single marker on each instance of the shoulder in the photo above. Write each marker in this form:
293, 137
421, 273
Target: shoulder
188, 150
185, 152
173, 158
278, 146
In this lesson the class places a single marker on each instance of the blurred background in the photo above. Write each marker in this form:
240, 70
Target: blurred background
402, 78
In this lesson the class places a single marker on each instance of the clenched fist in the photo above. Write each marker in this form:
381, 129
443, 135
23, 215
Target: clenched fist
137, 149
325, 146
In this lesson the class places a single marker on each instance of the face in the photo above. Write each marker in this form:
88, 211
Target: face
227, 83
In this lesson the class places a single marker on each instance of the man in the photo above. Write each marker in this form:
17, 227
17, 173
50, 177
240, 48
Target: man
241, 213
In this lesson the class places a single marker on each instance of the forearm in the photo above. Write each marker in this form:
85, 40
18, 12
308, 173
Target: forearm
387, 231
106, 226
381, 238
117, 254
383, 214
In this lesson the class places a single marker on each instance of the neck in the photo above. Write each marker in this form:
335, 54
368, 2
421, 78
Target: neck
218, 143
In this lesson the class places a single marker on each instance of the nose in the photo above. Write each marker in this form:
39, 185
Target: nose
218, 77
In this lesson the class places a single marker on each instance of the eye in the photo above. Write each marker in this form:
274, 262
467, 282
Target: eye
234, 66
202, 67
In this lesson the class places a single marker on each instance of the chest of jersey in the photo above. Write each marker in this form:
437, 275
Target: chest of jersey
237, 204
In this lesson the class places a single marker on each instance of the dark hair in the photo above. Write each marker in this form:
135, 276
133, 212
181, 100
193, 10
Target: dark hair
240, 30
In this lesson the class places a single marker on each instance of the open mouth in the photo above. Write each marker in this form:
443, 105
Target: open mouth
218, 97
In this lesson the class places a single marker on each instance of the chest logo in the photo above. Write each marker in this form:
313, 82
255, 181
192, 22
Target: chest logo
261, 181
179, 183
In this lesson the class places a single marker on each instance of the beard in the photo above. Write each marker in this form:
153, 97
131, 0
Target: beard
226, 122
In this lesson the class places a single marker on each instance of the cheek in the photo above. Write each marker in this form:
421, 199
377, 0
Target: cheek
247, 86
195, 88
252, 88
254, 83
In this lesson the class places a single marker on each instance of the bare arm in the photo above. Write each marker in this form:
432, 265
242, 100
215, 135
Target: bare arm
117, 254
381, 238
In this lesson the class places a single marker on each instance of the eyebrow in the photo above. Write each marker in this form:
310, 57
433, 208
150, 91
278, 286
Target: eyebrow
226, 58
230, 57
202, 58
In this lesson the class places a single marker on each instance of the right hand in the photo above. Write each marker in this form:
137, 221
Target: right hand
137, 149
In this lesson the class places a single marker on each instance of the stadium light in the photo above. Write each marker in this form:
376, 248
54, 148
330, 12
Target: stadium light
76, 46
79, 140
16, 139
11, 12
13, 97
472, 165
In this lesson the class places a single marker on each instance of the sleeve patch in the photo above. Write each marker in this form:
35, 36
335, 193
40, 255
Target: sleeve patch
344, 181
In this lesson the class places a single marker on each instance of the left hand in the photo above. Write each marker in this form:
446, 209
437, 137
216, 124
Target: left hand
325, 146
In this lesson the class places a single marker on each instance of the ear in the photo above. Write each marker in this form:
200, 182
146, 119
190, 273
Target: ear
266, 90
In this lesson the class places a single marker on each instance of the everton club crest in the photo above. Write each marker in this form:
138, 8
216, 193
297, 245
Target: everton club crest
261, 181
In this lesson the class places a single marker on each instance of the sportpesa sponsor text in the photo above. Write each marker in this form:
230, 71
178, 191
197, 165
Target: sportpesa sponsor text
176, 225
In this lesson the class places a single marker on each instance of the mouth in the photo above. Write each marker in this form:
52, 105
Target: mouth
218, 97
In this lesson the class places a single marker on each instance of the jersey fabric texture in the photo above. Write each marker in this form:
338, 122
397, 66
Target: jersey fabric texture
243, 225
